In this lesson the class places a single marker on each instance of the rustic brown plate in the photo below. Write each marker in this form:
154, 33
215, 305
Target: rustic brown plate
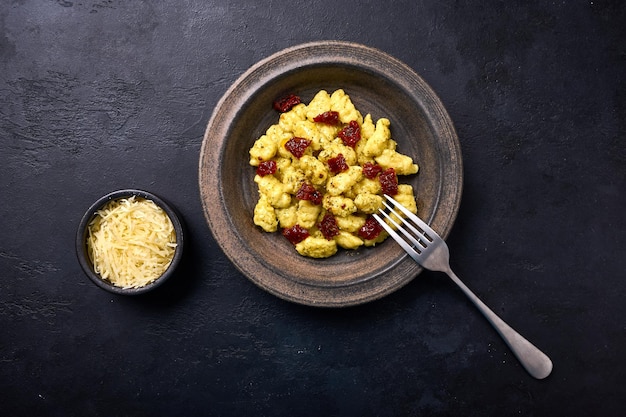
378, 84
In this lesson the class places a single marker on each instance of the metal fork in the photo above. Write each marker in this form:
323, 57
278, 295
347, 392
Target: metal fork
428, 249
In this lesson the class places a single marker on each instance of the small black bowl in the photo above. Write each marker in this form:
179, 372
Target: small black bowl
81, 241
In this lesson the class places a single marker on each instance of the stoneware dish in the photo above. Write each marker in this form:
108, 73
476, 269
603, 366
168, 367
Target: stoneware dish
81, 241
377, 84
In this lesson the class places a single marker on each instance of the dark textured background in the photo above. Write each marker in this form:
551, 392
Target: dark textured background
101, 95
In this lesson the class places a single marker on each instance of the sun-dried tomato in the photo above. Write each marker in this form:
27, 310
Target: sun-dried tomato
338, 164
297, 146
389, 181
310, 193
351, 134
266, 168
286, 103
328, 118
328, 226
371, 170
296, 234
371, 229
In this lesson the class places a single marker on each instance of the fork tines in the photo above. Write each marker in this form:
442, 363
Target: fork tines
415, 231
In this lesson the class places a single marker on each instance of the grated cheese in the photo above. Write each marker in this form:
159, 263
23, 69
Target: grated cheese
131, 242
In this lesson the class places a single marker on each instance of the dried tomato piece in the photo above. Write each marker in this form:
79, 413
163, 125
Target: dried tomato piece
338, 164
389, 181
286, 103
371, 170
310, 193
297, 146
296, 234
351, 134
328, 118
371, 229
328, 226
266, 168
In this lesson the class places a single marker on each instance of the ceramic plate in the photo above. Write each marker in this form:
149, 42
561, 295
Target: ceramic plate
377, 84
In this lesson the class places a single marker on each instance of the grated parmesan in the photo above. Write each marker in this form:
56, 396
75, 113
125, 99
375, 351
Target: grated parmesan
131, 242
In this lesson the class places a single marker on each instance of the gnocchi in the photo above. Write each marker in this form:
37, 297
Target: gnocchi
321, 173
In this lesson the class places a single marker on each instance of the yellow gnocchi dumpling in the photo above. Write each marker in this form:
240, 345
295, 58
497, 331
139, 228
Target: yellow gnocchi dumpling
341, 103
367, 128
379, 140
402, 164
273, 190
265, 215
343, 181
406, 198
351, 223
287, 217
289, 120
314, 170
336, 148
307, 214
263, 149
338, 205
291, 178
368, 203
316, 247
319, 105
348, 240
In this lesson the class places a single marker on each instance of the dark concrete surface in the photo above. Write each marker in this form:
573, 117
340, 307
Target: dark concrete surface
101, 95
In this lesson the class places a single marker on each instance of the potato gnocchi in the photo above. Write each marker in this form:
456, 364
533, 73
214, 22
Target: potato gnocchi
322, 171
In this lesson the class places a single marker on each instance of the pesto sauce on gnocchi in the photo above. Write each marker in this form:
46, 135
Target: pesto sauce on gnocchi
347, 197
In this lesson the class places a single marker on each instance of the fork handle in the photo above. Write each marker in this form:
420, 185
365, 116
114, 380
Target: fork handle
537, 363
